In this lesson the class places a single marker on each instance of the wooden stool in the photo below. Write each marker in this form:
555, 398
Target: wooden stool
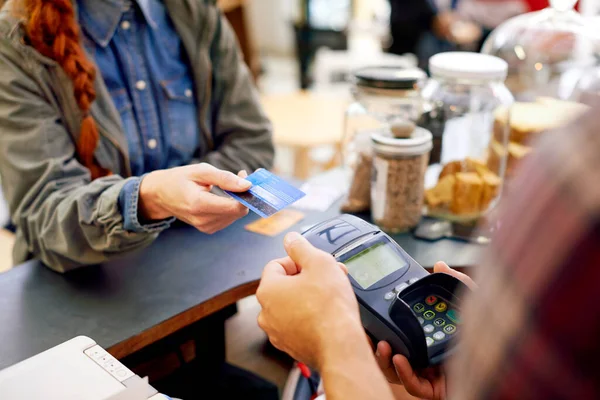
235, 11
303, 121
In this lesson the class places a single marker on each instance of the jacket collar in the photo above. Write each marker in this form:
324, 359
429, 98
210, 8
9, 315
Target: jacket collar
100, 18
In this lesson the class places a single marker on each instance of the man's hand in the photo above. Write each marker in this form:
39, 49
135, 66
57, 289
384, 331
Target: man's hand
310, 311
429, 383
307, 302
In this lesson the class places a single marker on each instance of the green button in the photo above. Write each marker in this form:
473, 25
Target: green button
419, 308
450, 329
453, 315
429, 315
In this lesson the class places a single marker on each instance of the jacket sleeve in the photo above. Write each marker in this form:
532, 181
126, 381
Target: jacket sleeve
241, 130
62, 218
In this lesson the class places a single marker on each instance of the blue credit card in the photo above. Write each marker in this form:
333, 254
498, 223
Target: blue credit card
268, 194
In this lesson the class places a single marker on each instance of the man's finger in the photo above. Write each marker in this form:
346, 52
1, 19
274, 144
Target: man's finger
442, 267
302, 252
383, 356
289, 265
272, 271
206, 174
343, 267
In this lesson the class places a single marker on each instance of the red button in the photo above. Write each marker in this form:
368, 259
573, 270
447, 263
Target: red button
431, 300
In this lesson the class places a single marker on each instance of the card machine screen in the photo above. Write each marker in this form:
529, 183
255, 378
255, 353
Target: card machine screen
373, 264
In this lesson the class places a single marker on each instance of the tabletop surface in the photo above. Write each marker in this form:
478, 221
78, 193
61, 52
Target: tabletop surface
183, 268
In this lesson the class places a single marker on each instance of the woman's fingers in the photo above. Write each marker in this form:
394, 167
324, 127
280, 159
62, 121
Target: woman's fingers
206, 174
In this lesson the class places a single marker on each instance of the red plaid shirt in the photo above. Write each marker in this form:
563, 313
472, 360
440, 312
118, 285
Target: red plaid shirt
532, 329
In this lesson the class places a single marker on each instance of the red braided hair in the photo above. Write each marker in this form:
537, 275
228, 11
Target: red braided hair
53, 31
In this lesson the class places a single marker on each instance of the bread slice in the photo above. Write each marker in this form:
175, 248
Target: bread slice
515, 152
441, 195
529, 119
491, 189
468, 191
451, 168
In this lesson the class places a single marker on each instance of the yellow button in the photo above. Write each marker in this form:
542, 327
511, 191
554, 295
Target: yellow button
441, 307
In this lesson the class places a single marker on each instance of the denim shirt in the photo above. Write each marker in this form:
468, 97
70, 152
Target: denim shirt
142, 61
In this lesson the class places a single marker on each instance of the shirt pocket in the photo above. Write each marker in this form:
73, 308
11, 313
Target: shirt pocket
182, 133
123, 105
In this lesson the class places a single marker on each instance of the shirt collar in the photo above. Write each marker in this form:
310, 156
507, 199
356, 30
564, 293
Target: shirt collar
100, 18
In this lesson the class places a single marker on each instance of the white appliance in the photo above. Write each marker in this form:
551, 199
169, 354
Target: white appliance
78, 369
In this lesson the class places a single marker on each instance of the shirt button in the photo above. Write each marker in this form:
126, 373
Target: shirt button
140, 85
152, 143
188, 93
125, 25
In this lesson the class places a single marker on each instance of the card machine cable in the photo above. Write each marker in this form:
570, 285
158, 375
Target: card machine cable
400, 302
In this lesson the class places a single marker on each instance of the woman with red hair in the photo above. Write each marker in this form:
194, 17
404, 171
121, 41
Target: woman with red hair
117, 117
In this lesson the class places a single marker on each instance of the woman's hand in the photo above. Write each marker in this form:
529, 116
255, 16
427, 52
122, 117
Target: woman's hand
429, 383
184, 193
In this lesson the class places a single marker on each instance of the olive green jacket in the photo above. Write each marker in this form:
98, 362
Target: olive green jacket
62, 217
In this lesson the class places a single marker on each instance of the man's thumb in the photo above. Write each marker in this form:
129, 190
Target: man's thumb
302, 252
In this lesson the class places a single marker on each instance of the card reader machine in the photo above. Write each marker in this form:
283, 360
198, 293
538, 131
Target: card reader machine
400, 302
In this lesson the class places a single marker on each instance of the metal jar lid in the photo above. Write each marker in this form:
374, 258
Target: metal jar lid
420, 142
393, 78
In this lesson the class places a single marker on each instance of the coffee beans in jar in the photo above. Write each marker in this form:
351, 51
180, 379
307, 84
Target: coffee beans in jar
398, 180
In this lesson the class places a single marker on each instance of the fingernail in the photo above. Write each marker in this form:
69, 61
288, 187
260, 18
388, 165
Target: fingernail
244, 184
291, 237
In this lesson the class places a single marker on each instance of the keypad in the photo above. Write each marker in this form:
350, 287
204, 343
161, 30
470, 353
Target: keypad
109, 363
450, 329
389, 295
400, 287
437, 317
428, 315
419, 308
453, 315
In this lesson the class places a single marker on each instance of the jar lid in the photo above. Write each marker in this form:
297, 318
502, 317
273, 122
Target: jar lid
389, 77
420, 142
466, 65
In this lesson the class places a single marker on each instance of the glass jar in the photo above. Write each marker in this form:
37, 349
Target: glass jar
468, 106
398, 179
387, 100
546, 50
587, 89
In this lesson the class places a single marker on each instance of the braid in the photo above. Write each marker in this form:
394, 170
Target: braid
53, 31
